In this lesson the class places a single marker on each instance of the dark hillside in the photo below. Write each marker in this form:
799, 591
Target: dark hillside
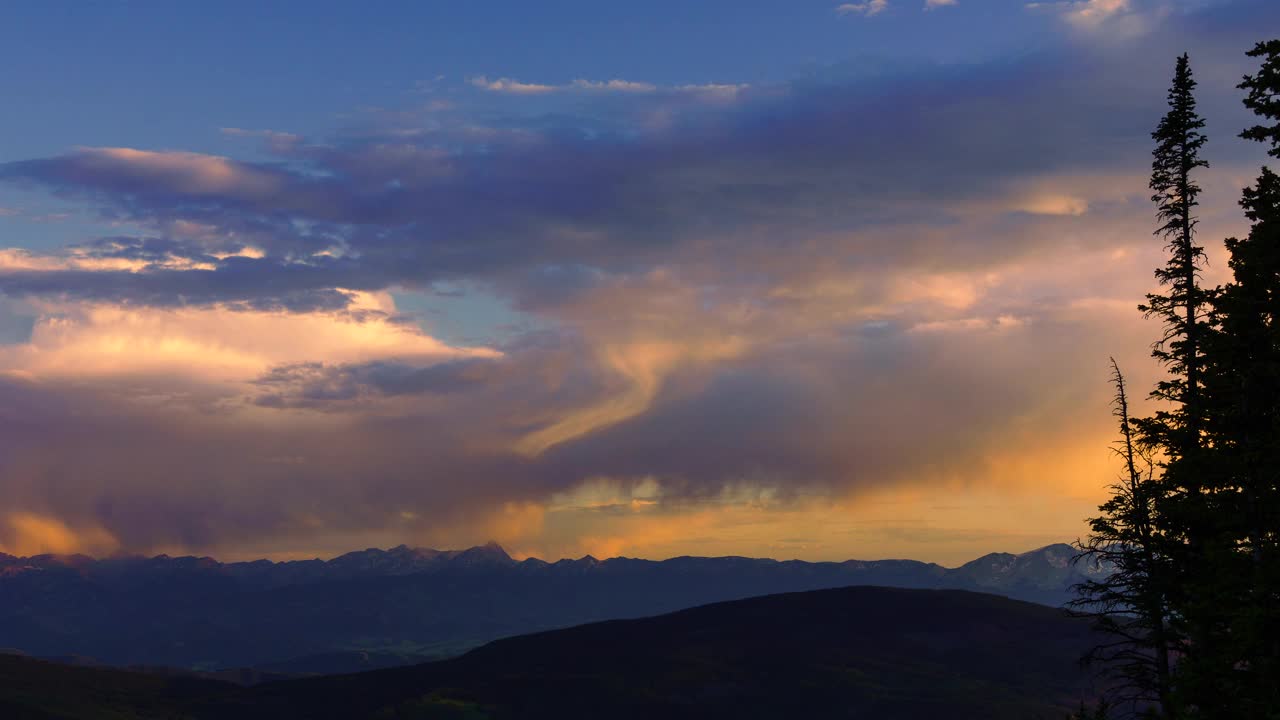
852, 652
858, 652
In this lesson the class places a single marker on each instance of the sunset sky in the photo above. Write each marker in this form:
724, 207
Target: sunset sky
786, 278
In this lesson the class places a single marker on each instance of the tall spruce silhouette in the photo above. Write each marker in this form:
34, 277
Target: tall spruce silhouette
1149, 532
1175, 431
1128, 597
1176, 427
1174, 190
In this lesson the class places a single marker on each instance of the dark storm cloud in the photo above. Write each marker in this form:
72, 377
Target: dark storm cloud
159, 476
250, 284
838, 154
744, 294
317, 385
548, 370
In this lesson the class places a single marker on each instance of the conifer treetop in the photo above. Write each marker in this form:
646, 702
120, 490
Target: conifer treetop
1263, 96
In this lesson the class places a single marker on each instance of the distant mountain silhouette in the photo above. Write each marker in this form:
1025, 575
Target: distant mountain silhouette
373, 608
862, 652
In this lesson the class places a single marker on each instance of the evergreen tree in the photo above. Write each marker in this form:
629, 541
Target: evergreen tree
1128, 597
1196, 546
1175, 433
1176, 157
1243, 397
1264, 96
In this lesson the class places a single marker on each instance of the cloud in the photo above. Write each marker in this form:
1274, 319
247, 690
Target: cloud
276, 142
643, 366
1092, 14
510, 207
326, 386
507, 85
616, 85
130, 255
392, 436
933, 4
866, 9
214, 344
179, 172
27, 534
1054, 205
839, 291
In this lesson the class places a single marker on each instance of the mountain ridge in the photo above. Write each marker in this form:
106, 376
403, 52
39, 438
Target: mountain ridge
404, 559
414, 603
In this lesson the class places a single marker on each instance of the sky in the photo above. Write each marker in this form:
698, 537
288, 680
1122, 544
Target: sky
788, 278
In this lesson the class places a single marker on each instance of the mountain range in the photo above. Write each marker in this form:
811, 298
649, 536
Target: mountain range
378, 608
859, 652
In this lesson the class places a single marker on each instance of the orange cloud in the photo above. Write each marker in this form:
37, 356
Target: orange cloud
214, 344
34, 534
185, 172
1054, 204
641, 366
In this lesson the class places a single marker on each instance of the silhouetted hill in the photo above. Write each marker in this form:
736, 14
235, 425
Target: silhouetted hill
32, 689
408, 603
862, 652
